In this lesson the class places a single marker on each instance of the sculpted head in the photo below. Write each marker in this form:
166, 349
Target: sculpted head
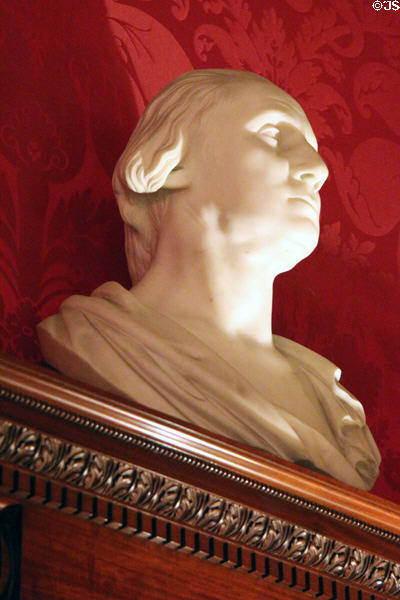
196, 120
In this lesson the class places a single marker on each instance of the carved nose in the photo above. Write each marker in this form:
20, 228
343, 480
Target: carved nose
310, 168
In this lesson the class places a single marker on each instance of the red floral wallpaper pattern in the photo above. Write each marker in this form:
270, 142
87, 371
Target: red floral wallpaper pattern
76, 75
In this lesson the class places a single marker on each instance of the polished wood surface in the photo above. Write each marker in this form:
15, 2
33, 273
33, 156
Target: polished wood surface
72, 559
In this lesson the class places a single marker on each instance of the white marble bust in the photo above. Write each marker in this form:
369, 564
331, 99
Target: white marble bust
218, 188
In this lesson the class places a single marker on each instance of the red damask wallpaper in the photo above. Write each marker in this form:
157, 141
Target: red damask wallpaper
75, 76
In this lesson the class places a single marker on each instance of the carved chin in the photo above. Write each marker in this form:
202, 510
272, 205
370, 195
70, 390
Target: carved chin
298, 248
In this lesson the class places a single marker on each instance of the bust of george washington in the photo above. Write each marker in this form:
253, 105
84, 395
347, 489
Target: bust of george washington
218, 188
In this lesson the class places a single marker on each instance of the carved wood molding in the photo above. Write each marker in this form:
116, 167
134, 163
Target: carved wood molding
180, 503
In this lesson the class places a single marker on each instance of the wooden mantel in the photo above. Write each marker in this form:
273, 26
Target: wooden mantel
87, 468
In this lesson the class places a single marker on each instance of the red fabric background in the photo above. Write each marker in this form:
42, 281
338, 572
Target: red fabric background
75, 76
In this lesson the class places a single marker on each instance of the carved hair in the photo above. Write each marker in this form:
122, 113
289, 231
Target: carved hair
155, 148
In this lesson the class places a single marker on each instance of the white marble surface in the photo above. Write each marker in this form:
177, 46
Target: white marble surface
219, 190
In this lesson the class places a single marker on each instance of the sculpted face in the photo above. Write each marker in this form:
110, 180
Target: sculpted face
255, 159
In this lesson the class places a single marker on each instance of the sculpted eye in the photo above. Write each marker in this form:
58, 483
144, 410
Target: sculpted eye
270, 134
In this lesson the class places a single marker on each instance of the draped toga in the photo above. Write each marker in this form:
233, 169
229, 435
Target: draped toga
114, 342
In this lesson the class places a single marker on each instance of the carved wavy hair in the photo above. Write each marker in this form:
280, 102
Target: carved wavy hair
155, 148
